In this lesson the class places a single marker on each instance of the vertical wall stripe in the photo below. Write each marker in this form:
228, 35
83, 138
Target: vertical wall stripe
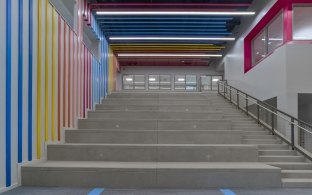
39, 82
46, 74
54, 25
59, 81
8, 90
30, 76
64, 77
69, 75
20, 82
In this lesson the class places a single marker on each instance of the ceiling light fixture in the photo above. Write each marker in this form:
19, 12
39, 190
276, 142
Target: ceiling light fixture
175, 38
128, 79
181, 79
152, 79
193, 13
166, 55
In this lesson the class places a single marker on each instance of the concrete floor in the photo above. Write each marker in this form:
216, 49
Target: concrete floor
85, 191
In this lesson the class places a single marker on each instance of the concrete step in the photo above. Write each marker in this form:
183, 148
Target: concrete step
184, 124
153, 152
262, 141
297, 174
153, 137
272, 146
256, 132
150, 175
156, 102
291, 165
194, 108
154, 115
264, 137
278, 152
297, 183
276, 158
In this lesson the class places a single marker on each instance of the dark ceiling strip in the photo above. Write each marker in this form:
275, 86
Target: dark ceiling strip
174, 4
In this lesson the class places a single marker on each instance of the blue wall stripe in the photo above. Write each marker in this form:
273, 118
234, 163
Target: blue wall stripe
8, 91
30, 75
20, 82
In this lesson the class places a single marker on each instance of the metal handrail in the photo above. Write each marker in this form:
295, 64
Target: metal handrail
272, 110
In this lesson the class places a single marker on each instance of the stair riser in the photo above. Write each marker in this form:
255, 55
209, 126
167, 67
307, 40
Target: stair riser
154, 124
265, 141
281, 159
150, 178
154, 115
160, 102
294, 167
297, 184
266, 137
273, 147
193, 108
132, 153
153, 137
281, 153
297, 175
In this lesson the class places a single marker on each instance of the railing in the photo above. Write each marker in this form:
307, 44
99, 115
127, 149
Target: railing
294, 132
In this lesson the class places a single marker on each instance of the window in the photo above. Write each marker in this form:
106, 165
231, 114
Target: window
164, 82
275, 33
259, 47
268, 39
133, 82
302, 23
191, 83
159, 82
179, 82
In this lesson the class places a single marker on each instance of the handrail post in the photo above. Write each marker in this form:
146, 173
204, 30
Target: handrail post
247, 104
218, 87
292, 133
237, 99
272, 122
224, 90
258, 112
231, 94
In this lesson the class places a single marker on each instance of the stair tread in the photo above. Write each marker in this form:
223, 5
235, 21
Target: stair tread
152, 165
151, 145
297, 171
299, 180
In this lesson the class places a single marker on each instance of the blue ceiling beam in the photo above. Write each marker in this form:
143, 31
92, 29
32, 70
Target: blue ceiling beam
168, 33
160, 18
166, 29
161, 22
163, 26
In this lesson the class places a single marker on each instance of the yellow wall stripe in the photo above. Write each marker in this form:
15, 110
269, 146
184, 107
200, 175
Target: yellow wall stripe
39, 83
46, 74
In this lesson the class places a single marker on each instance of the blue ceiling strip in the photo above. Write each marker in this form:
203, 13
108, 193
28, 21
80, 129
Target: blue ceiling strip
162, 26
161, 22
20, 83
8, 90
175, 30
157, 18
168, 33
30, 76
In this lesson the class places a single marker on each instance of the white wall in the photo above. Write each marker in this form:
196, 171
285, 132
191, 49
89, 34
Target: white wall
172, 70
286, 72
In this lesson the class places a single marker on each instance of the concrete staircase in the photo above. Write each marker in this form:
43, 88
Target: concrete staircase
168, 140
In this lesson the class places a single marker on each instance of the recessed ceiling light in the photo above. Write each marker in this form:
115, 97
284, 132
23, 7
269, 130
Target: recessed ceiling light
152, 79
128, 79
194, 13
181, 79
215, 80
175, 38
166, 55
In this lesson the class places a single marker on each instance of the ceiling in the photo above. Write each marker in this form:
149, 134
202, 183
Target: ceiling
168, 26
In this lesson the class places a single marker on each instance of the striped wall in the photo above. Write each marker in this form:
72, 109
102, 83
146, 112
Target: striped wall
48, 79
